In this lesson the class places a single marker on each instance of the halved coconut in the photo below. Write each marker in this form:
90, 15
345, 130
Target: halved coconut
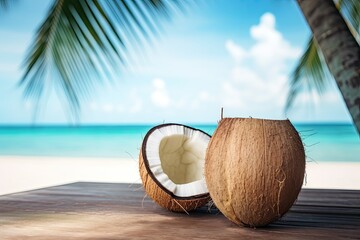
171, 163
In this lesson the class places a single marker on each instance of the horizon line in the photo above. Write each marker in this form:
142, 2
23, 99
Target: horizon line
154, 124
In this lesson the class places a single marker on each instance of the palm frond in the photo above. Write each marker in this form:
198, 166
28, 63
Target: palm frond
311, 72
4, 4
351, 12
82, 42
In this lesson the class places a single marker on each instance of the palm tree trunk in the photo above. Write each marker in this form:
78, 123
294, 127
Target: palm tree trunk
340, 49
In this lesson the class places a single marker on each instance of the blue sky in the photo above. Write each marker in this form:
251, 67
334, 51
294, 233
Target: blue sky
231, 54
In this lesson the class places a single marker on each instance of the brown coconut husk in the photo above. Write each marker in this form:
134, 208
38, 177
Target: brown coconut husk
254, 169
160, 194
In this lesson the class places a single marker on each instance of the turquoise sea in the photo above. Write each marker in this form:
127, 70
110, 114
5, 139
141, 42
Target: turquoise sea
323, 142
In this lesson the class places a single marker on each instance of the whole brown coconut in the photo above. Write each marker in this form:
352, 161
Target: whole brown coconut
171, 165
254, 169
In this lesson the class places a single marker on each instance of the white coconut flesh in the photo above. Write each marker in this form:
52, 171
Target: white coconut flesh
176, 158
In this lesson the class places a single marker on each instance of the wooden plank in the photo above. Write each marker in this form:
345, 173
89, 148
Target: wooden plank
122, 211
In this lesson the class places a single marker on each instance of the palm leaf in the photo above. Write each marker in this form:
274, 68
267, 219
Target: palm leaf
84, 41
351, 11
5, 4
311, 72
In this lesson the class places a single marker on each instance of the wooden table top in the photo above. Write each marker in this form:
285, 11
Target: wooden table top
86, 210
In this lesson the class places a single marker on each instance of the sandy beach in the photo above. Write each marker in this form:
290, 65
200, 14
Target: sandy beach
19, 173
23, 173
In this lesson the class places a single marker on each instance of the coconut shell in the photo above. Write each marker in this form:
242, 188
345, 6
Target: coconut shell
160, 194
254, 169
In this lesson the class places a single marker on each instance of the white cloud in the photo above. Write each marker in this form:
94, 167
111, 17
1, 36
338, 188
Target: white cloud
204, 96
271, 50
237, 52
198, 101
258, 81
159, 83
136, 100
108, 107
111, 106
160, 96
136, 107
232, 96
265, 30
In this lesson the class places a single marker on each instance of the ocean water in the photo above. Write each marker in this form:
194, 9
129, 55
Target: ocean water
323, 142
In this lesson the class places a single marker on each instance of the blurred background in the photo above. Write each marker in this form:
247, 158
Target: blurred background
88, 79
